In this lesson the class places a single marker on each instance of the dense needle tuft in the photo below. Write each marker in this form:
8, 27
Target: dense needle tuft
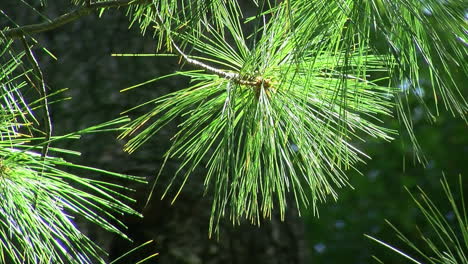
271, 129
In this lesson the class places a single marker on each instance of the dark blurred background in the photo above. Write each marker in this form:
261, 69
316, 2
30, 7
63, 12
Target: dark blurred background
93, 78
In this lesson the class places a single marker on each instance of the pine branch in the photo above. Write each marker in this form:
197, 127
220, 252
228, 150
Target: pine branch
18, 32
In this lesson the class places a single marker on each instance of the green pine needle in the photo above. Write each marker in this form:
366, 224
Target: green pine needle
270, 126
38, 200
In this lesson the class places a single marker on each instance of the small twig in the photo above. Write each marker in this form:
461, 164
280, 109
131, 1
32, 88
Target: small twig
236, 77
208, 68
41, 87
18, 32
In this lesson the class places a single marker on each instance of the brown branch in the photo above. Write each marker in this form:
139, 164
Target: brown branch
18, 32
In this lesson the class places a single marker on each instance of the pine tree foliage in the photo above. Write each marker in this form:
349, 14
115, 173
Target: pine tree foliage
285, 94
277, 103
270, 125
39, 195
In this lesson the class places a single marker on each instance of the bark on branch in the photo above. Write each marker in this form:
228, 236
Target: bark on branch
18, 32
